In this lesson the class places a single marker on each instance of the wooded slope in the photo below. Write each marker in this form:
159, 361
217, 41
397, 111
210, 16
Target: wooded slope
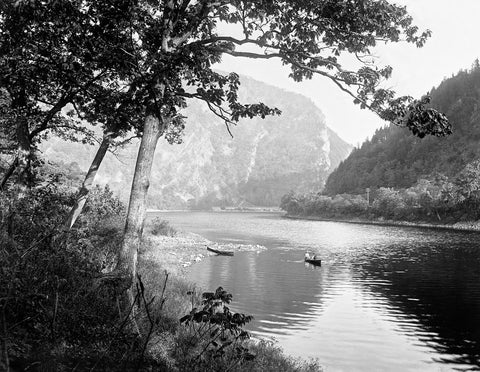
393, 157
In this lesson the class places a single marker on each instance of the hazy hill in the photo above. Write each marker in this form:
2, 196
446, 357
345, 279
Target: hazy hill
395, 158
264, 160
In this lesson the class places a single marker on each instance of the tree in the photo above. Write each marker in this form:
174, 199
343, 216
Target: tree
163, 52
176, 44
40, 73
56, 62
388, 202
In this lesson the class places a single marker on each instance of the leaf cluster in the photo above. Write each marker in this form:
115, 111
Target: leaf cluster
219, 331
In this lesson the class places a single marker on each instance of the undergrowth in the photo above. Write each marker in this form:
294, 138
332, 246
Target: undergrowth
55, 316
162, 227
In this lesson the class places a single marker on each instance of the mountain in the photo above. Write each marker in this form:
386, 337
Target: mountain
265, 159
393, 157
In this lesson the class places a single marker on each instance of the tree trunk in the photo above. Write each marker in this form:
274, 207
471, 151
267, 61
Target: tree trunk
127, 256
29, 136
8, 173
24, 153
82, 194
23, 157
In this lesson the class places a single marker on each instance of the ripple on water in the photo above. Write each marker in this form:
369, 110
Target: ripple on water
385, 298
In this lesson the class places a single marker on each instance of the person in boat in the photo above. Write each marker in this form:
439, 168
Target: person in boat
310, 257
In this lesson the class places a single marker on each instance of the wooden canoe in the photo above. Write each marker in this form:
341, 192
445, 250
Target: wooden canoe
222, 253
316, 261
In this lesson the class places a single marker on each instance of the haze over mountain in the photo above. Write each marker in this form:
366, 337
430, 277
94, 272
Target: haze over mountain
265, 159
395, 158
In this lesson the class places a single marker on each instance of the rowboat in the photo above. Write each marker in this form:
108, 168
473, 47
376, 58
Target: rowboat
222, 253
314, 261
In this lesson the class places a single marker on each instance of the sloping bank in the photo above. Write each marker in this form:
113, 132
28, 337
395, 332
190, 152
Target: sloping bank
463, 225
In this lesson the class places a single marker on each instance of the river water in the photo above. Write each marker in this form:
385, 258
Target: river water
385, 298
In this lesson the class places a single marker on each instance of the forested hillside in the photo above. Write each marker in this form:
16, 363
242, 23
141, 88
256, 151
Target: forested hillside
393, 157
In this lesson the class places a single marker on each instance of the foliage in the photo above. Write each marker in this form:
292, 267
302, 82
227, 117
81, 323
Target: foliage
146, 51
98, 232
215, 335
392, 158
436, 199
120, 62
388, 203
49, 307
162, 227
54, 79
58, 317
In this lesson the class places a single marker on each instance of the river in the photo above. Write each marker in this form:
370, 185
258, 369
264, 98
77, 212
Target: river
385, 298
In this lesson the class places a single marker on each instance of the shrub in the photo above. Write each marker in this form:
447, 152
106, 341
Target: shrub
55, 315
213, 339
162, 227
214, 336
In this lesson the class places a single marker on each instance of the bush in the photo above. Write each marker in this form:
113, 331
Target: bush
162, 227
213, 339
55, 315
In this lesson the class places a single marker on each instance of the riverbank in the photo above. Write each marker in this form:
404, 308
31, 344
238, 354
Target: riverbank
463, 226
173, 255
177, 253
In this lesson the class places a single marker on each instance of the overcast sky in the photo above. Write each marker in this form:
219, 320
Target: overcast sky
454, 45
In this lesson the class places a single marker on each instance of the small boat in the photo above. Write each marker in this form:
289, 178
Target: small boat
314, 261
221, 253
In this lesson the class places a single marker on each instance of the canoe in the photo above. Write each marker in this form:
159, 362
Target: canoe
222, 253
316, 262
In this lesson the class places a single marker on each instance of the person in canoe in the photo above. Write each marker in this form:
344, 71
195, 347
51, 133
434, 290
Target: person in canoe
310, 257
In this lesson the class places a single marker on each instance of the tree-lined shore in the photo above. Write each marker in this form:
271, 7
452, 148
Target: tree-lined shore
395, 177
436, 201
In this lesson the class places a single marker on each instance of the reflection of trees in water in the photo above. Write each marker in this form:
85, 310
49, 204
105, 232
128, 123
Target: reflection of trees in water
277, 288
437, 285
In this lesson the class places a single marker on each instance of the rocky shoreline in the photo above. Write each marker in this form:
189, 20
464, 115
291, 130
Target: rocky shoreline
463, 226
176, 254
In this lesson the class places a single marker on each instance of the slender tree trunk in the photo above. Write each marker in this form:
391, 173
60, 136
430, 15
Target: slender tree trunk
23, 157
24, 153
27, 137
9, 173
84, 190
127, 256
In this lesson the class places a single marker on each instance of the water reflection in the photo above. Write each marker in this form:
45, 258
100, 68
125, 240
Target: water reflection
278, 291
438, 288
386, 298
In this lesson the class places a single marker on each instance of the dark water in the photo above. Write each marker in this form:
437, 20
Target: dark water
385, 298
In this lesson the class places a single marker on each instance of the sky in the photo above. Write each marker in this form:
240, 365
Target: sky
454, 45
